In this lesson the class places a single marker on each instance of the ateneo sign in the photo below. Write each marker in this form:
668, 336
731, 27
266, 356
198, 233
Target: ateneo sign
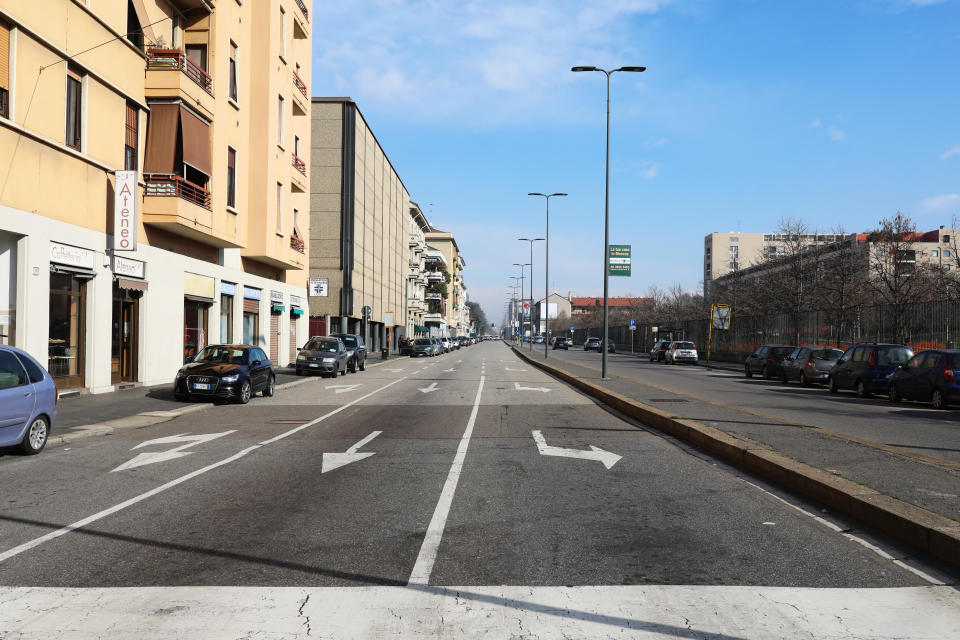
619, 260
125, 211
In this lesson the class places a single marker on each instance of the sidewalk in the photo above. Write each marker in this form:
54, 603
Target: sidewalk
854, 471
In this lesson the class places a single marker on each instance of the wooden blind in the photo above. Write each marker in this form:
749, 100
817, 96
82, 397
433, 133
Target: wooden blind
4, 56
131, 134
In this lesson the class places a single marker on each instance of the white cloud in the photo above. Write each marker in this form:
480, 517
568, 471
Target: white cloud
649, 170
836, 134
940, 203
952, 151
816, 124
659, 142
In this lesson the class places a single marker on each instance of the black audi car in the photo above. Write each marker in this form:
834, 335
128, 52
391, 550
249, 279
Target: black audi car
225, 372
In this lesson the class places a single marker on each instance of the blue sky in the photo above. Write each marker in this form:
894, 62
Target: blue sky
833, 111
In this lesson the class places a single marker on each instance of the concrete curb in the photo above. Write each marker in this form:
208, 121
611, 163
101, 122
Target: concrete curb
928, 531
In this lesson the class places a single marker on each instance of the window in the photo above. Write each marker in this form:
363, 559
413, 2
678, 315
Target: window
74, 110
11, 372
197, 54
131, 138
226, 319
279, 208
734, 252
134, 30
296, 222
283, 33
934, 253
4, 70
231, 177
734, 239
946, 253
33, 369
296, 146
233, 71
280, 120
946, 267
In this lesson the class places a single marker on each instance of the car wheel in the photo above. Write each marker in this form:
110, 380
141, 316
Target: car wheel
746, 371
784, 379
833, 385
352, 366
938, 400
36, 436
299, 371
892, 394
245, 392
363, 364
766, 373
862, 390
804, 382
270, 388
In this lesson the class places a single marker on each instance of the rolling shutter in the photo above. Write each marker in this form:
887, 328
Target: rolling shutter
196, 141
4, 56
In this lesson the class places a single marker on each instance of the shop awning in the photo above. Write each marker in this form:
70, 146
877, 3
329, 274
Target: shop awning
201, 299
296, 313
133, 285
78, 272
278, 308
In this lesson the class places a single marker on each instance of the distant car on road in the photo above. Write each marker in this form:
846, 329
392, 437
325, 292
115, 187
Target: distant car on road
867, 368
538, 340
405, 346
592, 344
225, 372
809, 364
561, 342
28, 401
658, 350
358, 350
422, 347
326, 356
930, 376
766, 360
681, 351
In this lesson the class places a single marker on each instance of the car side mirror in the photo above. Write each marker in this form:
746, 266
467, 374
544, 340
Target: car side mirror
255, 363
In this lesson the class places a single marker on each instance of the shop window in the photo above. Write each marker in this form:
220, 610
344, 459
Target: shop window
194, 328
251, 327
226, 319
65, 353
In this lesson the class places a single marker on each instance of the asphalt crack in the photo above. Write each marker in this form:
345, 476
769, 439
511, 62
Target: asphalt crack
300, 614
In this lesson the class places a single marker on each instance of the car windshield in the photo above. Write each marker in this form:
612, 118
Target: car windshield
593, 339
831, 355
685, 345
222, 355
956, 361
424, 341
892, 356
350, 341
781, 352
323, 345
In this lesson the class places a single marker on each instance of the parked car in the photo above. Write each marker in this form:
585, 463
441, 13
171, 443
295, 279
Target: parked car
28, 401
422, 347
767, 360
681, 351
405, 346
358, 350
326, 356
592, 344
659, 350
809, 364
437, 346
930, 376
538, 340
561, 342
866, 368
225, 372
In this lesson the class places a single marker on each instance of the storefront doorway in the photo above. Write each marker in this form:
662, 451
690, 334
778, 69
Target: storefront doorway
67, 334
195, 317
125, 334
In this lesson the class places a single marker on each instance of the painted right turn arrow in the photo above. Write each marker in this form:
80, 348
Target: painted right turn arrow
607, 458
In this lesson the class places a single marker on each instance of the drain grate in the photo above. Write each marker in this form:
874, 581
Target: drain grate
666, 400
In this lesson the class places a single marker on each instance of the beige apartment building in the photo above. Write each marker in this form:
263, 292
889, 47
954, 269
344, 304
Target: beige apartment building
359, 226
417, 273
153, 196
454, 318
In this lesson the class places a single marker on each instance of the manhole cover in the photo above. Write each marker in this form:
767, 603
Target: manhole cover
286, 422
666, 400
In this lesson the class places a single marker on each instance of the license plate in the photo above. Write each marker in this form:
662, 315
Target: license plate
313, 364
201, 385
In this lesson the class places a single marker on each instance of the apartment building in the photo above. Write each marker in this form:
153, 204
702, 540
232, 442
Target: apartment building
555, 306
154, 156
359, 225
417, 274
455, 316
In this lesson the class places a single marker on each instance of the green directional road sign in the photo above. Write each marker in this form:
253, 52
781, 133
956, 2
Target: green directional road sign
619, 260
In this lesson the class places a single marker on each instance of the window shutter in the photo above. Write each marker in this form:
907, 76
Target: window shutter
4, 56
132, 130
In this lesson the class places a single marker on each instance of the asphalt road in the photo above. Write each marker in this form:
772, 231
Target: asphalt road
913, 426
476, 494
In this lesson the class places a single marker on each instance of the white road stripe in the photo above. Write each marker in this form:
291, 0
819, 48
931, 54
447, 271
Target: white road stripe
431, 541
26, 546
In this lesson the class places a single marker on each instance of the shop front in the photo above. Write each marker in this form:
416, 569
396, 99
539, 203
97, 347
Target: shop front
251, 315
228, 291
198, 298
129, 286
276, 312
296, 311
71, 268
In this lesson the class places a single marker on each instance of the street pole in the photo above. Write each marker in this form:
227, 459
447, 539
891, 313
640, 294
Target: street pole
606, 220
531, 241
546, 279
522, 265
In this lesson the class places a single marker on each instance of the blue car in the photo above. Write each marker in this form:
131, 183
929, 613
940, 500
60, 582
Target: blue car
867, 368
930, 376
28, 401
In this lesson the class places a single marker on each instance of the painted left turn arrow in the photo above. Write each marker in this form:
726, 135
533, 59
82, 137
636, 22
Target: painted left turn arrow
333, 461
170, 454
519, 388
607, 458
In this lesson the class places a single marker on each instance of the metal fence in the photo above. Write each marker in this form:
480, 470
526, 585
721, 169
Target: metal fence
926, 325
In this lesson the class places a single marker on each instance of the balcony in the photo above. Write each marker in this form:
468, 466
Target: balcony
183, 208
171, 74
299, 84
432, 296
434, 317
301, 97
299, 164
434, 276
303, 9
298, 245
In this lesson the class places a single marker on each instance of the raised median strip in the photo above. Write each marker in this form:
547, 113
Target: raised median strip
921, 528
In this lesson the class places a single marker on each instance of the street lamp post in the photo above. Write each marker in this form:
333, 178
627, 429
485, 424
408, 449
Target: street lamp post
531, 241
546, 281
606, 218
512, 305
520, 309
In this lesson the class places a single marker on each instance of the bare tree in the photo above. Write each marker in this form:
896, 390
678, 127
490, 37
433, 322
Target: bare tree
840, 283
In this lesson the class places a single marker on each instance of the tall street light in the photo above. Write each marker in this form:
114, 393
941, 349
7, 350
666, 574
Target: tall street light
512, 305
520, 307
546, 285
531, 241
606, 218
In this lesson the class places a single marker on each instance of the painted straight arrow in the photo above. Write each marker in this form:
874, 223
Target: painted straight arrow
519, 388
333, 461
607, 458
432, 387
343, 388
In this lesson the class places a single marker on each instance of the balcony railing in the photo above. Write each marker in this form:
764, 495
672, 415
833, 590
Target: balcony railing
297, 244
174, 59
299, 164
303, 8
163, 185
299, 84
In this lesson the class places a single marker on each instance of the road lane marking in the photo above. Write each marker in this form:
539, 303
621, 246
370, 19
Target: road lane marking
519, 388
431, 541
449, 370
333, 461
509, 369
432, 387
606, 458
144, 459
343, 388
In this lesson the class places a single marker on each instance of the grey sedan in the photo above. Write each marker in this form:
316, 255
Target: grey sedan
809, 364
326, 356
